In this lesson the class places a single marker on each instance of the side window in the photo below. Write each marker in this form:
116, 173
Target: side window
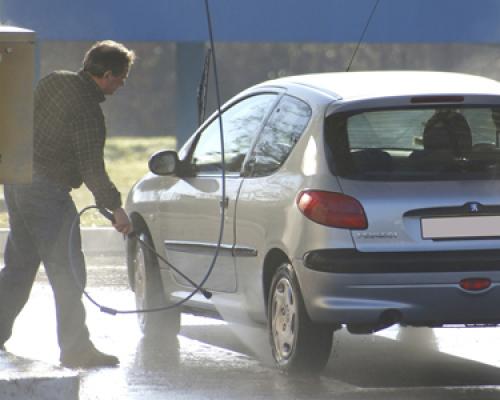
281, 132
241, 124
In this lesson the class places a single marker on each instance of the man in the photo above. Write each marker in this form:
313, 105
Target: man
69, 136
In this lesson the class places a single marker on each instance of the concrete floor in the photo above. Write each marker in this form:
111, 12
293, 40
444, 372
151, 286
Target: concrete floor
214, 360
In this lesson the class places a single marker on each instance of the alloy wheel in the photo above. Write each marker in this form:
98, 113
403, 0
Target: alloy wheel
284, 319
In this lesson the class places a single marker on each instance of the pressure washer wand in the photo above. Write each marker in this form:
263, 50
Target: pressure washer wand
108, 215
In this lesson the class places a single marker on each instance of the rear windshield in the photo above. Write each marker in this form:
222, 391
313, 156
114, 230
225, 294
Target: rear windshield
416, 144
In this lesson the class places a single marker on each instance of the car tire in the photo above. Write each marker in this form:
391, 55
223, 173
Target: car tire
149, 294
298, 345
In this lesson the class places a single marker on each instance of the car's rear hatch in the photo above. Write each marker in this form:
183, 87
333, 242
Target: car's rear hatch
425, 216
427, 177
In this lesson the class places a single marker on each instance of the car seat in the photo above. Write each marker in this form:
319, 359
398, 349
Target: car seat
372, 160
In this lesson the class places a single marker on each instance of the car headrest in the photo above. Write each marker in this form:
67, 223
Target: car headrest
447, 130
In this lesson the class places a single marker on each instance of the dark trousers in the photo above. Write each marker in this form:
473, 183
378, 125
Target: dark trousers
41, 215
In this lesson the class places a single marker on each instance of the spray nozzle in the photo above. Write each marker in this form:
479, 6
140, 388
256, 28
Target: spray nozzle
107, 214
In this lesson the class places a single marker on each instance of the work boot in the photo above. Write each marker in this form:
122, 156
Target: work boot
90, 357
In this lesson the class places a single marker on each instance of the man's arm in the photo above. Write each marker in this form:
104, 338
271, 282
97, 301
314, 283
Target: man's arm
88, 142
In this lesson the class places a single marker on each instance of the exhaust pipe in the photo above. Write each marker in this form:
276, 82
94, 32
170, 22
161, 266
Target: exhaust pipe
386, 319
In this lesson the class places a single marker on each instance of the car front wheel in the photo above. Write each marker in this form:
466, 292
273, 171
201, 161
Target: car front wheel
148, 290
298, 345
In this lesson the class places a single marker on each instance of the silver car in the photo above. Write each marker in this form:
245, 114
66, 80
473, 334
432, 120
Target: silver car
357, 200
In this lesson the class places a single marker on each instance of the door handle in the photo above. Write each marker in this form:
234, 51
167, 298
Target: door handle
224, 203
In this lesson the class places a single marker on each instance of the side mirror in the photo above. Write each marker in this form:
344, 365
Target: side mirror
164, 162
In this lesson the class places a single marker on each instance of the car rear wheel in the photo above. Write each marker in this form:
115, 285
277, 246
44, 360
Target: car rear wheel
298, 345
149, 294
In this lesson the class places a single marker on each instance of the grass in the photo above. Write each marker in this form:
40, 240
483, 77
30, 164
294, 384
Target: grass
126, 161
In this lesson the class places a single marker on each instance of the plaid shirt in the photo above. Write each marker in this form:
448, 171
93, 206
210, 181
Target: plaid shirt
69, 135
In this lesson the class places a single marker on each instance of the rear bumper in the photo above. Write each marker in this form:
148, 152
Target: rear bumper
423, 290
351, 261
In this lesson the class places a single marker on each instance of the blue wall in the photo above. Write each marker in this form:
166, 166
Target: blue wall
424, 21
184, 21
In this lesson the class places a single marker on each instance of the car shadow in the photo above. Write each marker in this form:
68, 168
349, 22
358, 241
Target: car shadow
375, 361
368, 361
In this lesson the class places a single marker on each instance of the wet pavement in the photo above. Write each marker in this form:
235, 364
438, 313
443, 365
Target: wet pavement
212, 359
21, 378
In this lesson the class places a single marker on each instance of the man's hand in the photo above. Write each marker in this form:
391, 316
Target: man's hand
122, 222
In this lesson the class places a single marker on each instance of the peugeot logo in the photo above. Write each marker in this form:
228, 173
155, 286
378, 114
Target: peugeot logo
473, 207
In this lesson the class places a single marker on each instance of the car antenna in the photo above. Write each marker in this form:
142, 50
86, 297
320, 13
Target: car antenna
362, 35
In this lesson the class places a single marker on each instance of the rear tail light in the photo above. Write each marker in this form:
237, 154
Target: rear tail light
332, 209
475, 284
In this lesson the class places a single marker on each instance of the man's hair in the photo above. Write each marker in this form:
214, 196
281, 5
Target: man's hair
108, 56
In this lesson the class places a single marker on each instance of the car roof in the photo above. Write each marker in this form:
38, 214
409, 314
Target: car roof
376, 84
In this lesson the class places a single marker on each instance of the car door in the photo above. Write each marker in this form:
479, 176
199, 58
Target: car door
191, 208
267, 193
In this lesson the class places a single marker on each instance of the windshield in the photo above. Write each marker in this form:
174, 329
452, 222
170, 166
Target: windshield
419, 143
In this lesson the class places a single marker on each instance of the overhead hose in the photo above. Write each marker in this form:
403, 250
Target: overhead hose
134, 235
196, 287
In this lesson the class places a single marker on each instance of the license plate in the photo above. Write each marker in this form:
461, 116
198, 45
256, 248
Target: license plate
460, 227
